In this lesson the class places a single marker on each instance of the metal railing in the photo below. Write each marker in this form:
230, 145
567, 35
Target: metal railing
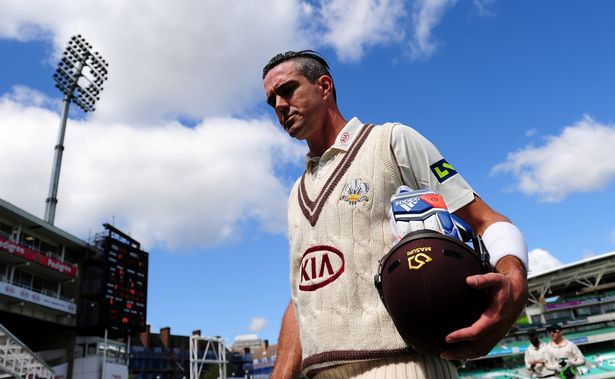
29, 287
19, 361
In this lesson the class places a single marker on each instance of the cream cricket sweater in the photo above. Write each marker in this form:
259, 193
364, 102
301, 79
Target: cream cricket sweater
339, 230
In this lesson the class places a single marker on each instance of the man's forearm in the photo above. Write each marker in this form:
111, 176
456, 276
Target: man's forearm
288, 360
577, 358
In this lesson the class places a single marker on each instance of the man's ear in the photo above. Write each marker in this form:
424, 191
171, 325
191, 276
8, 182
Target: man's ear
326, 83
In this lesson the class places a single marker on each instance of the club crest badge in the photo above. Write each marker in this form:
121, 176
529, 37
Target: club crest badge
356, 192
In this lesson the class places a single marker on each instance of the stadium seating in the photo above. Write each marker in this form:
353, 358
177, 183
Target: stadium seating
581, 298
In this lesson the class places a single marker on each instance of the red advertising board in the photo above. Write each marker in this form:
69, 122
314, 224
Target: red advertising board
36, 257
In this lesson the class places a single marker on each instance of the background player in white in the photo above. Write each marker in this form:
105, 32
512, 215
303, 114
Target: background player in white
535, 357
561, 354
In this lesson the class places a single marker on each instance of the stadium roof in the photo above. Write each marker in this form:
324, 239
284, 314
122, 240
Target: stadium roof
582, 277
29, 221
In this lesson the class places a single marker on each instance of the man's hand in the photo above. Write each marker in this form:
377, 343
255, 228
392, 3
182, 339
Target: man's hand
508, 290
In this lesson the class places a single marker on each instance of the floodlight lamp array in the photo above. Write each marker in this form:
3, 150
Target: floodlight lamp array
81, 73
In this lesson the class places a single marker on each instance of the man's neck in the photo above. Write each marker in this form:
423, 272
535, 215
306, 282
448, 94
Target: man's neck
560, 342
325, 137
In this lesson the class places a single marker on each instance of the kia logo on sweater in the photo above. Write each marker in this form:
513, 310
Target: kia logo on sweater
320, 265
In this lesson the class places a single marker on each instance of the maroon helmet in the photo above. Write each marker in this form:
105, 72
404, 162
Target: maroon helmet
422, 283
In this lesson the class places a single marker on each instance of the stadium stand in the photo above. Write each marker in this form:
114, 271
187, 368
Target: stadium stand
581, 297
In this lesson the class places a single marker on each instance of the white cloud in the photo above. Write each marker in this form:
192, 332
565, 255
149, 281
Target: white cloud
483, 7
166, 183
578, 160
257, 324
351, 26
203, 59
531, 132
169, 185
426, 15
30, 97
541, 260
195, 59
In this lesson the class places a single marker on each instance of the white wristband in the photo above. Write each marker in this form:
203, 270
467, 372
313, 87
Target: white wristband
503, 238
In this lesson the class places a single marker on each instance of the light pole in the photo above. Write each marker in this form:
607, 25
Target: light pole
80, 76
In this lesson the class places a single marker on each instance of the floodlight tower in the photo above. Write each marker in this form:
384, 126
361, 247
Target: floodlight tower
80, 76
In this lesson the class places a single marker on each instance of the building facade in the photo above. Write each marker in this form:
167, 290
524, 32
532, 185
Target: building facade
166, 356
57, 316
39, 283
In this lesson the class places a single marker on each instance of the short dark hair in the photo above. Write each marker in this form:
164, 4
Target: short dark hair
309, 63
554, 327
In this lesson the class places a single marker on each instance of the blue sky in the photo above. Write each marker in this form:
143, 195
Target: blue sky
184, 154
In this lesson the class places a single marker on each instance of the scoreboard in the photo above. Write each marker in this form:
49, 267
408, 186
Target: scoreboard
124, 297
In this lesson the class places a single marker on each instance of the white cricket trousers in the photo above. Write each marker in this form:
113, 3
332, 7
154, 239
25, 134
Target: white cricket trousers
414, 366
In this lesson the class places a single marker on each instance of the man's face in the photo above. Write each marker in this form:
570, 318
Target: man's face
556, 334
298, 104
534, 340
